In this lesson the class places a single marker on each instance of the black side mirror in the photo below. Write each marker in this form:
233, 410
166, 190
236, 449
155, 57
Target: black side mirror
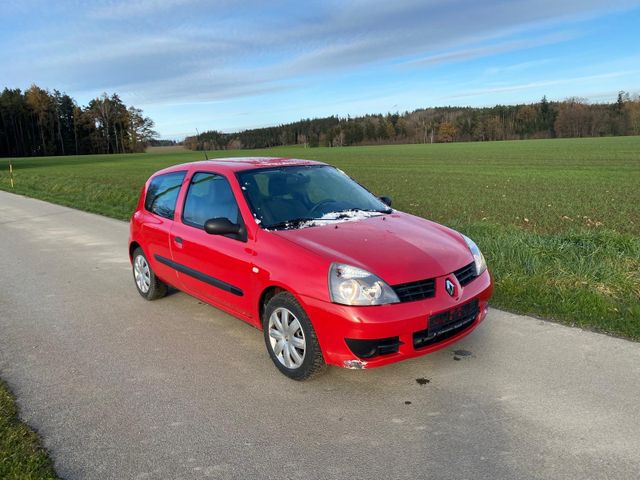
386, 201
221, 226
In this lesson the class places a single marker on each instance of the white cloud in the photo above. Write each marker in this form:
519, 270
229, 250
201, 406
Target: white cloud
493, 49
185, 51
545, 83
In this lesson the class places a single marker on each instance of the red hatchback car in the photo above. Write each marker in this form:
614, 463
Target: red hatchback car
329, 272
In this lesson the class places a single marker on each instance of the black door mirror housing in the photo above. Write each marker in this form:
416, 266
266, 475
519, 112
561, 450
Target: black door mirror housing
386, 201
221, 226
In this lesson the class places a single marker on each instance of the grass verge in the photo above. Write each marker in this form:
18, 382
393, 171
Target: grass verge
22, 456
558, 220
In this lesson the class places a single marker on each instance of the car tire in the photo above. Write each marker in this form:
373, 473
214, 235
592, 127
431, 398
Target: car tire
149, 286
290, 338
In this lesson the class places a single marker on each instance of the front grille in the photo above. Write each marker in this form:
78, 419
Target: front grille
421, 289
412, 291
466, 274
446, 324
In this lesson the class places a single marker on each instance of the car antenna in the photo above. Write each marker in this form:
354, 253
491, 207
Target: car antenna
203, 149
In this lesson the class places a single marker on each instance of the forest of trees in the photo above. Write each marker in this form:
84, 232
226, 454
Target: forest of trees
573, 117
162, 143
40, 122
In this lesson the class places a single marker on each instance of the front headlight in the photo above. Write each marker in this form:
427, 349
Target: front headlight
354, 286
478, 258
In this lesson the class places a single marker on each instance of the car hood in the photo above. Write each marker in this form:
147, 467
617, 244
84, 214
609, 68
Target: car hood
397, 247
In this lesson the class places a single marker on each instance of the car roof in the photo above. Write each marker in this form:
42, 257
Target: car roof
238, 164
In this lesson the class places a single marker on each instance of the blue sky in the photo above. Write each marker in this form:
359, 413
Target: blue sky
233, 65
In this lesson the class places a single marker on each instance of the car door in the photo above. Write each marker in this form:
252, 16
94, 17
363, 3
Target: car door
214, 267
158, 218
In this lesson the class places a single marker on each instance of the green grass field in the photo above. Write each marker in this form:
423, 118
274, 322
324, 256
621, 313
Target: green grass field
558, 220
21, 454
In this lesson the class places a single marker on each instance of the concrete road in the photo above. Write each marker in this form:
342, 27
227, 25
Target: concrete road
121, 388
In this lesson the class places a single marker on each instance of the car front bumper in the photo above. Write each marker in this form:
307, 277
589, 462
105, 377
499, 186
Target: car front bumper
409, 321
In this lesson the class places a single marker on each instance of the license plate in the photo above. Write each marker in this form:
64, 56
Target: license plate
453, 318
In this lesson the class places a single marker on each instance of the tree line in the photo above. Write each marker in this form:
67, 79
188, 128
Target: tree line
574, 117
40, 122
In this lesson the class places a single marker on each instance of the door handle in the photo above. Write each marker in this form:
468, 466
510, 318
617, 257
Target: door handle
178, 240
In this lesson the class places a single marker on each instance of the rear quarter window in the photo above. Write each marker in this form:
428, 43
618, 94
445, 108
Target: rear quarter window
162, 194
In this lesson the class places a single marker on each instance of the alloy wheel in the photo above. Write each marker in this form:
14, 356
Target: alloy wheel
142, 273
287, 338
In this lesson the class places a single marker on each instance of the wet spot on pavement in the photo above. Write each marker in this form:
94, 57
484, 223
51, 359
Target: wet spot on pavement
462, 353
459, 354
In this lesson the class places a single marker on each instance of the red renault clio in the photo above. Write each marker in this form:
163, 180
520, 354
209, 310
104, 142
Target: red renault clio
329, 272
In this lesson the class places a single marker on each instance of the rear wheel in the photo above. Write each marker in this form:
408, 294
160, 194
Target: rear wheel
147, 283
290, 338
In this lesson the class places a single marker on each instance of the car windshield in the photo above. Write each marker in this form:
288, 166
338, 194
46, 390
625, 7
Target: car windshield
305, 196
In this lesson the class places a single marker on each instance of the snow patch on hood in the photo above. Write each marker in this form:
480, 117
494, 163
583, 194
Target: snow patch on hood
332, 218
345, 216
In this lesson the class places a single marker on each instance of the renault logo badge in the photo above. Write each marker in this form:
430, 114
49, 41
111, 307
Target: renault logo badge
449, 287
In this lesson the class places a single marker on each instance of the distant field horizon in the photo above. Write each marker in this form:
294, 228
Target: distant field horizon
558, 220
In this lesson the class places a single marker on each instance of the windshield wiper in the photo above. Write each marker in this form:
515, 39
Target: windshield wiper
295, 222
372, 210
340, 215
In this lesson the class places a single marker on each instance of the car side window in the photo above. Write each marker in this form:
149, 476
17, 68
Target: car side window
162, 194
209, 196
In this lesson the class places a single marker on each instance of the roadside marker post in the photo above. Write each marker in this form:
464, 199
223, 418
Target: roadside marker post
11, 172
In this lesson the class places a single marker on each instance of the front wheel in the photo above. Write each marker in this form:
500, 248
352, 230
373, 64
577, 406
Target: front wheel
147, 283
290, 338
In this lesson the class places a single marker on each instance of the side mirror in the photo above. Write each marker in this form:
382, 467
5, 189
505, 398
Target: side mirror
221, 226
386, 201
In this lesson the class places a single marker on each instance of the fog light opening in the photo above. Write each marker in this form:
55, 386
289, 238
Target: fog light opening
373, 347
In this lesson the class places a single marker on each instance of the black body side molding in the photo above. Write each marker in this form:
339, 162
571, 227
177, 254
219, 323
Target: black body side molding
203, 277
